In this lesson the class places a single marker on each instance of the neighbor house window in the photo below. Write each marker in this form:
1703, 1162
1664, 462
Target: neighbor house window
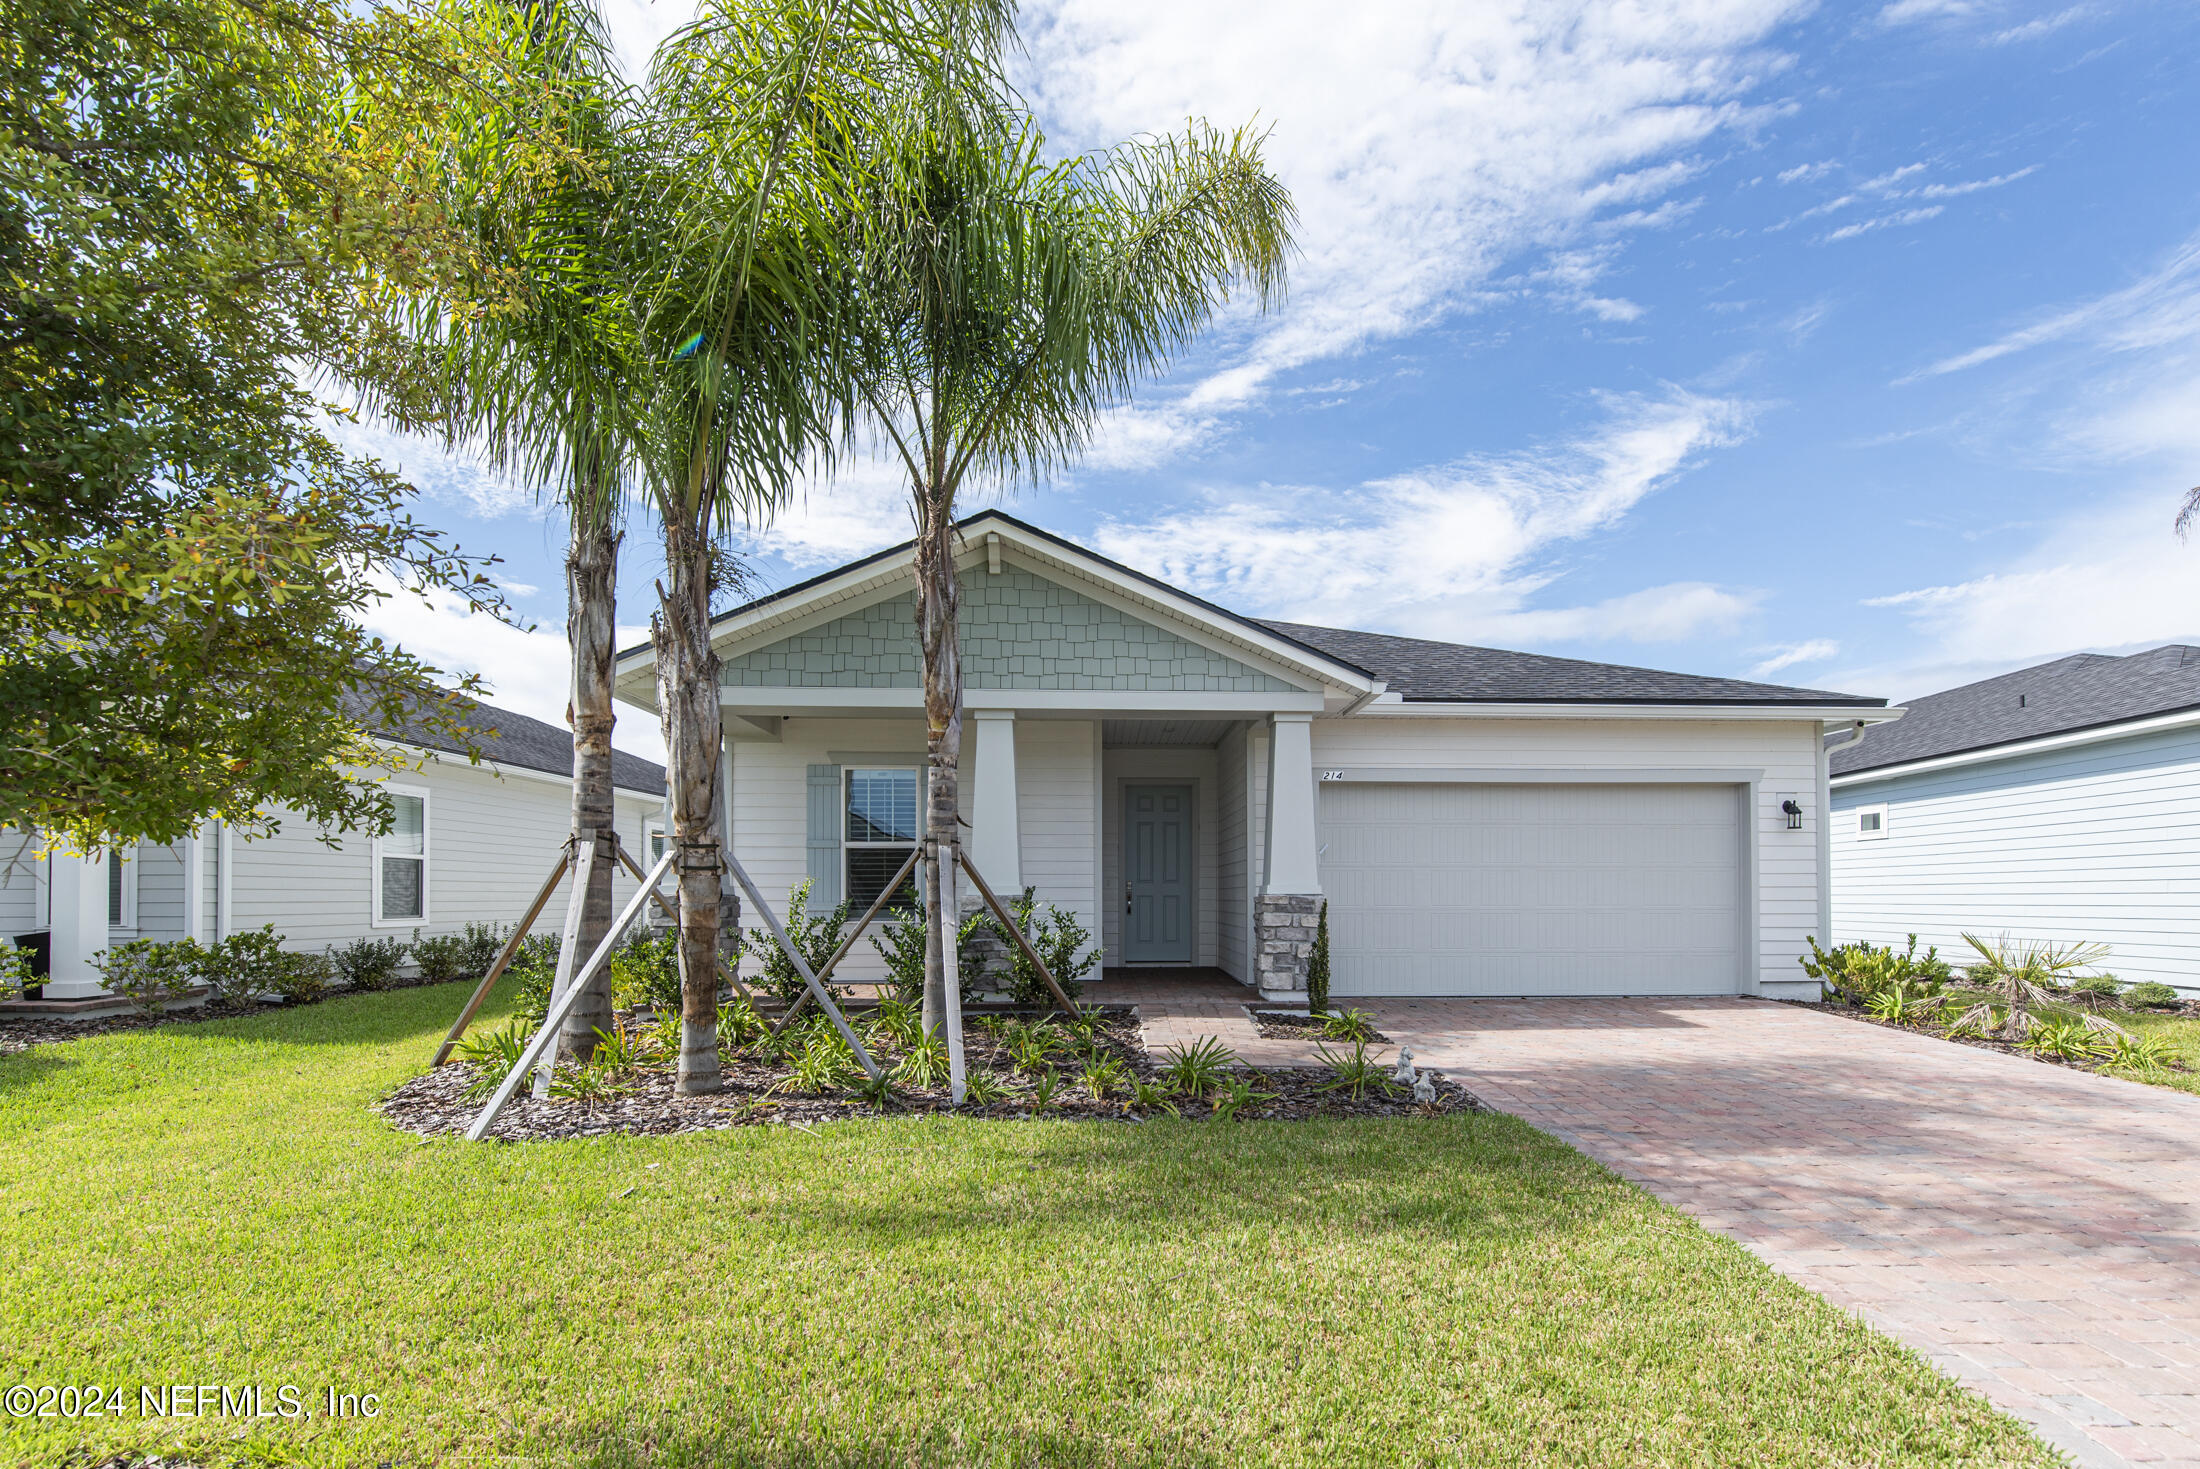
1871, 821
401, 861
656, 845
881, 833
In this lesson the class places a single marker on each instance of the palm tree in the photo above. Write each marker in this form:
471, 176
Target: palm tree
1008, 302
534, 360
766, 125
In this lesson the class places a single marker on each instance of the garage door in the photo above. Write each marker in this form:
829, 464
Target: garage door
1532, 889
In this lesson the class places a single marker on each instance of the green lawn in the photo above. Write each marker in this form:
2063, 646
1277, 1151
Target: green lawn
2183, 1034
215, 1204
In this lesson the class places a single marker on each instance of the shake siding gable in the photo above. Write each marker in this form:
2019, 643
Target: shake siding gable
2097, 842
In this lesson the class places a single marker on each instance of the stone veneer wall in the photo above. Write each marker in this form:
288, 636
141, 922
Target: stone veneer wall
1283, 942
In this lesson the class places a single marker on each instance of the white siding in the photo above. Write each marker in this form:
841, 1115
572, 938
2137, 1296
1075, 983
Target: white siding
20, 885
1192, 765
2099, 842
1057, 780
160, 895
1785, 751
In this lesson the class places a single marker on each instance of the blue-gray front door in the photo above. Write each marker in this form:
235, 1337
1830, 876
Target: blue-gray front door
1157, 874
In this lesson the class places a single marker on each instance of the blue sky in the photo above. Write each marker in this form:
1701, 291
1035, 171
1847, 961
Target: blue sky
1849, 346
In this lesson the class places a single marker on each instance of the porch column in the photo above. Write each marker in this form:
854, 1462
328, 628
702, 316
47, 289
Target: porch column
995, 846
1290, 900
78, 888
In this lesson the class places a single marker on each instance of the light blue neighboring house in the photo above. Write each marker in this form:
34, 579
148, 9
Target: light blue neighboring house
2060, 802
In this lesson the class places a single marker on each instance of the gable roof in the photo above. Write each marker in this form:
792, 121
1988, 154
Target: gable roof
514, 739
2083, 691
1428, 672
1415, 669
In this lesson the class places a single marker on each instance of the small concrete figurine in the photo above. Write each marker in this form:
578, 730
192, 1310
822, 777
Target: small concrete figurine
1424, 1090
1405, 1073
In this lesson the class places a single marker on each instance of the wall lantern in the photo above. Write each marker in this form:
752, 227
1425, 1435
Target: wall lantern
1794, 815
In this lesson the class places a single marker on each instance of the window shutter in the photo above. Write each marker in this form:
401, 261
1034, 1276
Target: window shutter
825, 818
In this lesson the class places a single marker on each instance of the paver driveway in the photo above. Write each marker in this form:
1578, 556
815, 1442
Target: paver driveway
2035, 1230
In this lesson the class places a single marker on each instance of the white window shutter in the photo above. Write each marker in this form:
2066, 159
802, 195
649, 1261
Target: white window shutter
824, 846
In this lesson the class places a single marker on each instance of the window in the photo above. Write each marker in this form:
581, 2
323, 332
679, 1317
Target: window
122, 887
881, 832
401, 861
1871, 822
656, 844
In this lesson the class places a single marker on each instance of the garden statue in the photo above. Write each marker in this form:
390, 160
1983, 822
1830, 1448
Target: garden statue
1404, 1074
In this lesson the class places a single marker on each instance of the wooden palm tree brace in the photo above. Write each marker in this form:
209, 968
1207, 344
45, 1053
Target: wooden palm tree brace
802, 1001
665, 906
496, 970
546, 1038
802, 966
1016, 933
951, 972
585, 857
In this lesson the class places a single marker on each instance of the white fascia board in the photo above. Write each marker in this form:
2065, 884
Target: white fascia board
2186, 719
795, 702
1384, 708
499, 768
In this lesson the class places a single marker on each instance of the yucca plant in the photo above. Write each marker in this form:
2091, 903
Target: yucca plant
1046, 1089
1152, 1096
739, 1024
2066, 1040
1353, 1073
492, 1054
824, 1064
1349, 1025
894, 1023
1103, 1076
589, 1084
1235, 1096
2142, 1052
981, 1088
2021, 979
924, 1064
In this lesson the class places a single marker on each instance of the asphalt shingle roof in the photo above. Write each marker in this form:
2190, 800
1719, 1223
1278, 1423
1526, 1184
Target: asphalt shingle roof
1424, 671
2083, 691
530, 744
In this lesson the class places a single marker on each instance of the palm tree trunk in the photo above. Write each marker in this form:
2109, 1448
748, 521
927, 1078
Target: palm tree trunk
591, 578
937, 597
687, 682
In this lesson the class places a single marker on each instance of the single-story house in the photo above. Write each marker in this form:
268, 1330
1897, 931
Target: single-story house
2060, 802
473, 842
1193, 784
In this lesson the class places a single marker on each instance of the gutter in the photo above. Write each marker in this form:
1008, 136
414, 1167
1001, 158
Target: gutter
1827, 744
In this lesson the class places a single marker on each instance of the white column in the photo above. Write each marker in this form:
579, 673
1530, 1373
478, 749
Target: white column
194, 886
996, 848
79, 889
1291, 846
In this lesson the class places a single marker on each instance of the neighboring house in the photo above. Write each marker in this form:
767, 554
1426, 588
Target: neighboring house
1193, 784
2058, 803
473, 842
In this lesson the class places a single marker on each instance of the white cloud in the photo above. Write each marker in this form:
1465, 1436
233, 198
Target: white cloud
1886, 221
1973, 186
2108, 580
527, 671
1457, 550
1817, 650
1905, 12
1424, 145
2160, 307
2045, 25
1804, 172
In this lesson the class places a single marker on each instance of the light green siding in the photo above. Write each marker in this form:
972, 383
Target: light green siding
1019, 631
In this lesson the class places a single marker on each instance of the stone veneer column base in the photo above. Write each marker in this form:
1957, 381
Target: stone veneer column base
1283, 943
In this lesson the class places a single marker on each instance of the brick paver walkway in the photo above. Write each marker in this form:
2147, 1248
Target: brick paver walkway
2032, 1229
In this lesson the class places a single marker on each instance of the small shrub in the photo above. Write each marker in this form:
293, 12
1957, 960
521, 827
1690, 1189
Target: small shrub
1104, 1076
246, 965
534, 969
300, 978
824, 1064
900, 943
1317, 967
622, 1051
589, 1085
1198, 1069
150, 974
1235, 1096
2067, 1040
1152, 1096
1353, 1073
2142, 1052
895, 1023
15, 973
2150, 995
1046, 1090
368, 964
483, 942
441, 957
1860, 972
645, 970
738, 1024
877, 1091
492, 1055
1061, 942
1029, 1045
1351, 1025
815, 936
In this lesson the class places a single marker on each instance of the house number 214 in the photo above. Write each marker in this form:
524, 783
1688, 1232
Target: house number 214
1332, 775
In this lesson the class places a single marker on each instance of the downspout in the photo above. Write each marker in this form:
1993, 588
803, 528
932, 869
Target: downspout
1827, 744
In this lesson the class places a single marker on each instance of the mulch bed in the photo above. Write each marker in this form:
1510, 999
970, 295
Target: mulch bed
435, 1103
1286, 1025
21, 1032
2098, 1064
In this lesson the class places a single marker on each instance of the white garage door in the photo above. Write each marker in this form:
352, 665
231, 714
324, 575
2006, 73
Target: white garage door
1532, 889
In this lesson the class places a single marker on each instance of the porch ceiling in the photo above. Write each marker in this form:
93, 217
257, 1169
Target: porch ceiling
1120, 733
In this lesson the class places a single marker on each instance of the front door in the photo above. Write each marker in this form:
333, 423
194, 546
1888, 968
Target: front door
1157, 874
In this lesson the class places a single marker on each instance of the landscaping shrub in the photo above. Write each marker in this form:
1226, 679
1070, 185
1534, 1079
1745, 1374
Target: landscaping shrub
246, 965
2023, 978
534, 969
15, 973
299, 978
1317, 966
150, 974
368, 964
1059, 940
2150, 995
1860, 973
463, 955
815, 936
900, 943
645, 970
483, 942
